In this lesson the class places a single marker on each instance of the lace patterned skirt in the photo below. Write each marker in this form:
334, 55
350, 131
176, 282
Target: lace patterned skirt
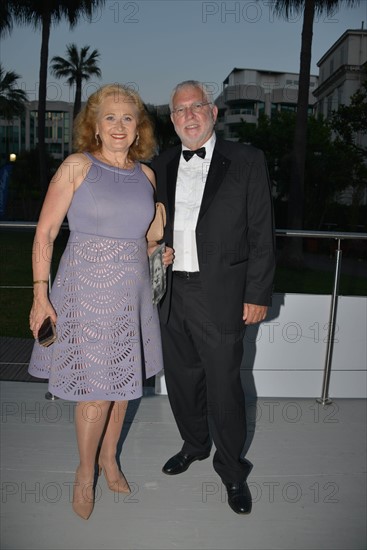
108, 336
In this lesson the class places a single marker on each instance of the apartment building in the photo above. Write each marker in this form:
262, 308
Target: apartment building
341, 71
21, 133
247, 93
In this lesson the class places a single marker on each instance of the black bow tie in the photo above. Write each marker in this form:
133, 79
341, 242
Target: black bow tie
187, 153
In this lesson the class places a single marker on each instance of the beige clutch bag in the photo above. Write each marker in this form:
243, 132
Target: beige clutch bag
156, 228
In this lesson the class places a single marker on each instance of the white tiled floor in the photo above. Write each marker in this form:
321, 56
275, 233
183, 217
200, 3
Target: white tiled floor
308, 482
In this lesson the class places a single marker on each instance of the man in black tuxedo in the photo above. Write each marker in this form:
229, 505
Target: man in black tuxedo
220, 223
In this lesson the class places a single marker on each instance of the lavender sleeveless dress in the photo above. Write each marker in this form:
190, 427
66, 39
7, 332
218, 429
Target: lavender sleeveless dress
108, 337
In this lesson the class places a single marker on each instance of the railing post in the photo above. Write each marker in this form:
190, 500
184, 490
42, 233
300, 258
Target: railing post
324, 399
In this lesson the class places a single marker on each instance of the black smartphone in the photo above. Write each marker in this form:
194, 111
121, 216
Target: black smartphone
47, 333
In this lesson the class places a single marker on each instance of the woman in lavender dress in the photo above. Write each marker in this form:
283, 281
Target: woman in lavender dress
108, 337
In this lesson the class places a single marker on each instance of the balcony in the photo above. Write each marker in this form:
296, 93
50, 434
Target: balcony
236, 116
308, 481
291, 353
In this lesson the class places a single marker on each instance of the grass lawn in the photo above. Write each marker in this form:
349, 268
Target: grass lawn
16, 270
313, 281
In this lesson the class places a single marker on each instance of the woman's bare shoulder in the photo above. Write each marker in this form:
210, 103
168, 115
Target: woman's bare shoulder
73, 170
78, 159
149, 174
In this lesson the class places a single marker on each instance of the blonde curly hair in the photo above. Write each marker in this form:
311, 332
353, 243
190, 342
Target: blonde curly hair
85, 123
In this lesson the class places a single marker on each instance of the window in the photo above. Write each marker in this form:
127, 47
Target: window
288, 107
54, 148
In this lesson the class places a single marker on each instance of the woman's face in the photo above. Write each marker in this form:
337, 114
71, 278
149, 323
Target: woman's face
117, 123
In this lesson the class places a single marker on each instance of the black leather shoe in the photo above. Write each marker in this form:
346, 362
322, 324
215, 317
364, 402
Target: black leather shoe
239, 497
180, 462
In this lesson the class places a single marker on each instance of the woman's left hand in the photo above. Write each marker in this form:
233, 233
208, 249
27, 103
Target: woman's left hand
168, 256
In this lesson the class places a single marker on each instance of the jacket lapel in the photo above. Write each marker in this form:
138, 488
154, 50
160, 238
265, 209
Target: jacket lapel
218, 168
172, 169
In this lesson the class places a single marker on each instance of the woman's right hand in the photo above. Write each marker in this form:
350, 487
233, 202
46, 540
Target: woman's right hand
41, 308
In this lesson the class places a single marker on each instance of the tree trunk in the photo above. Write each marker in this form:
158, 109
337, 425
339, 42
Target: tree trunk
46, 24
292, 253
78, 96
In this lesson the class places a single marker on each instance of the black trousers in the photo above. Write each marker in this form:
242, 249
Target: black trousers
202, 371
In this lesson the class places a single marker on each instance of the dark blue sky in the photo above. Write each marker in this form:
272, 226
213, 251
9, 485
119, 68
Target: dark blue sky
154, 44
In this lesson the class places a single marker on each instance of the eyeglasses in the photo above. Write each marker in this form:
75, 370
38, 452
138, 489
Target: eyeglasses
194, 108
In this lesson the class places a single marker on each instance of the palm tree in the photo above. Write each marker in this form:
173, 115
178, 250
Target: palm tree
42, 14
12, 99
309, 8
6, 22
78, 66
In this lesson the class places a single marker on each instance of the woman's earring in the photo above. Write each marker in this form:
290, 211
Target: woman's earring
96, 138
137, 139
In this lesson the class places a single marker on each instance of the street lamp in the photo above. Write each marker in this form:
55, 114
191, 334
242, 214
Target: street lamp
12, 157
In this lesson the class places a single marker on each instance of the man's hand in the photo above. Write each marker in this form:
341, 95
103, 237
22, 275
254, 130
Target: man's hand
168, 256
254, 314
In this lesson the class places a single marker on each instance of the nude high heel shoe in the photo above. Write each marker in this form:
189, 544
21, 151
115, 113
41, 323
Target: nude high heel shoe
119, 485
83, 497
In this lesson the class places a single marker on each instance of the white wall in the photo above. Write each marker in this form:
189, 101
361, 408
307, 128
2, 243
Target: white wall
285, 356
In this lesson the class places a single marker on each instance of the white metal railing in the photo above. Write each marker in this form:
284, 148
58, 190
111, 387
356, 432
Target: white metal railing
338, 236
324, 399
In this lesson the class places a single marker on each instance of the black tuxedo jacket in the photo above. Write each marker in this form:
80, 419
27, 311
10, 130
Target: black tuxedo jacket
234, 232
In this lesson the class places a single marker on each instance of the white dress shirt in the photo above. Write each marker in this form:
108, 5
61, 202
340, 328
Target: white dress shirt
191, 179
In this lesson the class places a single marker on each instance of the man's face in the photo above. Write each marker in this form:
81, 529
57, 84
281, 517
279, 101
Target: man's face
193, 128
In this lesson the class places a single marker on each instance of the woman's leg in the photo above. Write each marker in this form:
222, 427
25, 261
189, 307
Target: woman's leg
107, 455
90, 421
